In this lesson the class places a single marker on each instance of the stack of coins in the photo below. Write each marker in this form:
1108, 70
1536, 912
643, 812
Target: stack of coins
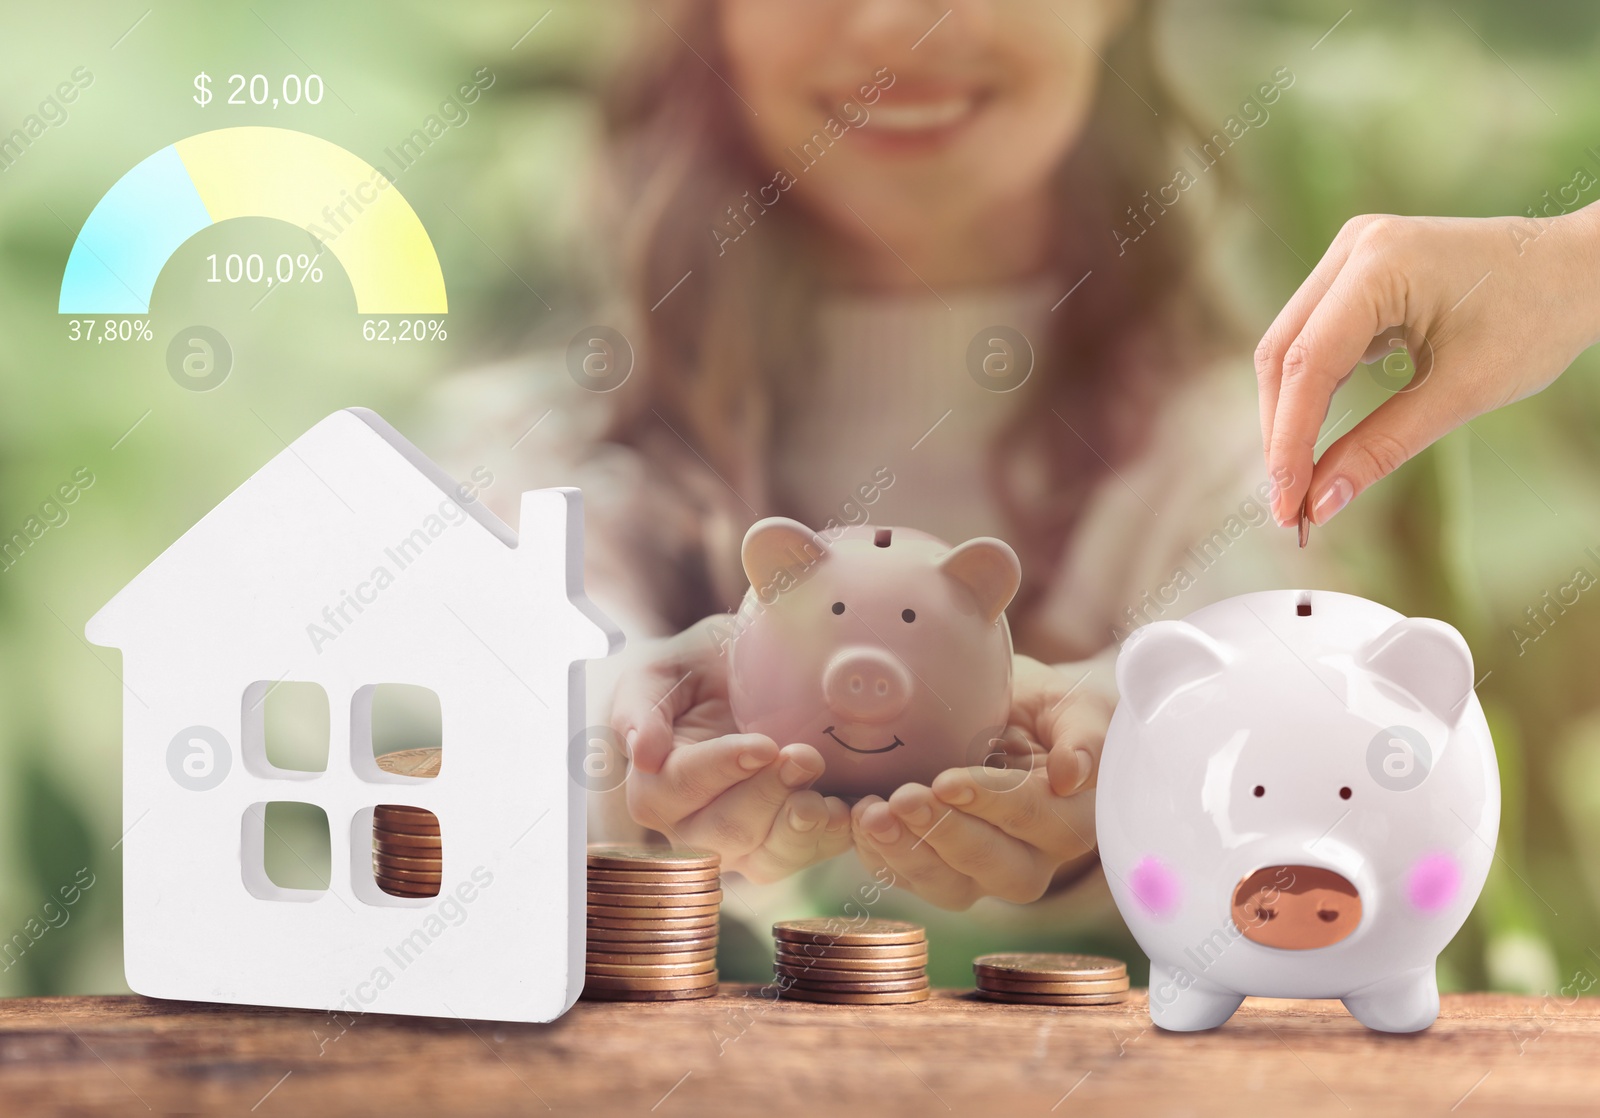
407, 850
411, 762
850, 962
1048, 979
652, 924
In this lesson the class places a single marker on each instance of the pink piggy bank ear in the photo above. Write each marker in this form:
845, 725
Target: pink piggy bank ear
776, 545
1427, 659
1164, 659
989, 568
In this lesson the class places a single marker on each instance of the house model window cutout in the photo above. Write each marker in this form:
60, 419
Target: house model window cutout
350, 561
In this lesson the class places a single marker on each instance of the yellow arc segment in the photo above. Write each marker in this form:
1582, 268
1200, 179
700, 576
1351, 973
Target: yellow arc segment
336, 196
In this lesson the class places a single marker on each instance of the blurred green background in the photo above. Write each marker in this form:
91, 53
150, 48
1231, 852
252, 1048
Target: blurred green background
1470, 108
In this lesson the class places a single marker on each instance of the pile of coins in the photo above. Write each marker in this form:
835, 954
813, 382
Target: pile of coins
652, 924
845, 962
1049, 979
407, 850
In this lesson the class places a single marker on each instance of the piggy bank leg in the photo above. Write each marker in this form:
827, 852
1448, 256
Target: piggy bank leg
1406, 1003
1183, 1004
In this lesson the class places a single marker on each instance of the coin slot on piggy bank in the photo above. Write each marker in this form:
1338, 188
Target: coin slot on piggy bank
1296, 802
885, 648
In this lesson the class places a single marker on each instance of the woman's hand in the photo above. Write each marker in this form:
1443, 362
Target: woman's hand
1491, 310
992, 831
700, 782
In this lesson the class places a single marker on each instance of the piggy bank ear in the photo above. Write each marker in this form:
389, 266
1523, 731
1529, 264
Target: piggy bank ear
1427, 659
989, 568
779, 544
1162, 659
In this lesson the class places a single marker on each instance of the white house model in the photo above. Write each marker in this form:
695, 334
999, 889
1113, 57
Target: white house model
350, 561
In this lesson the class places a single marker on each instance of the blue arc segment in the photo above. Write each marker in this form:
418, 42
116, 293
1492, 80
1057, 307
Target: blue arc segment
128, 237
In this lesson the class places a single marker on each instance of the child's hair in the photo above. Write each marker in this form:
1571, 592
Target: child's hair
737, 345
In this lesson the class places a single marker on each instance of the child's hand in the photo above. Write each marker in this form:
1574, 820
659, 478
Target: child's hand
1491, 310
1002, 832
700, 782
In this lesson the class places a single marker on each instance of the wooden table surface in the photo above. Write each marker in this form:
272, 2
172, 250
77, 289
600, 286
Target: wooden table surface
741, 1054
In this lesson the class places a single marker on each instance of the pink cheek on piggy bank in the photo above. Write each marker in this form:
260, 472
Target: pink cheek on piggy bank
1154, 886
1434, 882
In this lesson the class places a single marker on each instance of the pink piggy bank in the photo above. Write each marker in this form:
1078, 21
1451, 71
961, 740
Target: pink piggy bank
886, 649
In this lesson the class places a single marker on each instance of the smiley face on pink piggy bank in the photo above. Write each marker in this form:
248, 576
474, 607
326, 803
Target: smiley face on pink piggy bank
885, 648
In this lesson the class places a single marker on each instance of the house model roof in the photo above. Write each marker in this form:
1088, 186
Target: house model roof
327, 536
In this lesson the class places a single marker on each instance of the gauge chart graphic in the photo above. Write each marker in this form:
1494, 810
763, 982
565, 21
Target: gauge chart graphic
333, 194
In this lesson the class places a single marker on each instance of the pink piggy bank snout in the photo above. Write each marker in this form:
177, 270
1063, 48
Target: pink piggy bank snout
866, 685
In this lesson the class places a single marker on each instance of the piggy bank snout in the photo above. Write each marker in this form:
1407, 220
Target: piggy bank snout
866, 685
1296, 908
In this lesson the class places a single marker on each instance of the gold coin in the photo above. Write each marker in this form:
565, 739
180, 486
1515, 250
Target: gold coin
602, 944
404, 825
645, 959
1049, 967
899, 987
411, 762
823, 974
384, 837
408, 888
888, 962
849, 951
657, 900
654, 889
389, 873
1053, 999
678, 982
406, 813
401, 862
595, 994
1027, 986
672, 937
650, 970
835, 997
689, 880
416, 853
650, 858
684, 912
699, 925
411, 881
828, 930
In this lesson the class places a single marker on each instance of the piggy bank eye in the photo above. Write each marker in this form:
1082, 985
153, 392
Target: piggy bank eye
908, 615
1260, 791
838, 607
1344, 793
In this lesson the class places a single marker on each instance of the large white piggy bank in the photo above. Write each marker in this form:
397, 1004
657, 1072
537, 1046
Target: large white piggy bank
1298, 799
885, 648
